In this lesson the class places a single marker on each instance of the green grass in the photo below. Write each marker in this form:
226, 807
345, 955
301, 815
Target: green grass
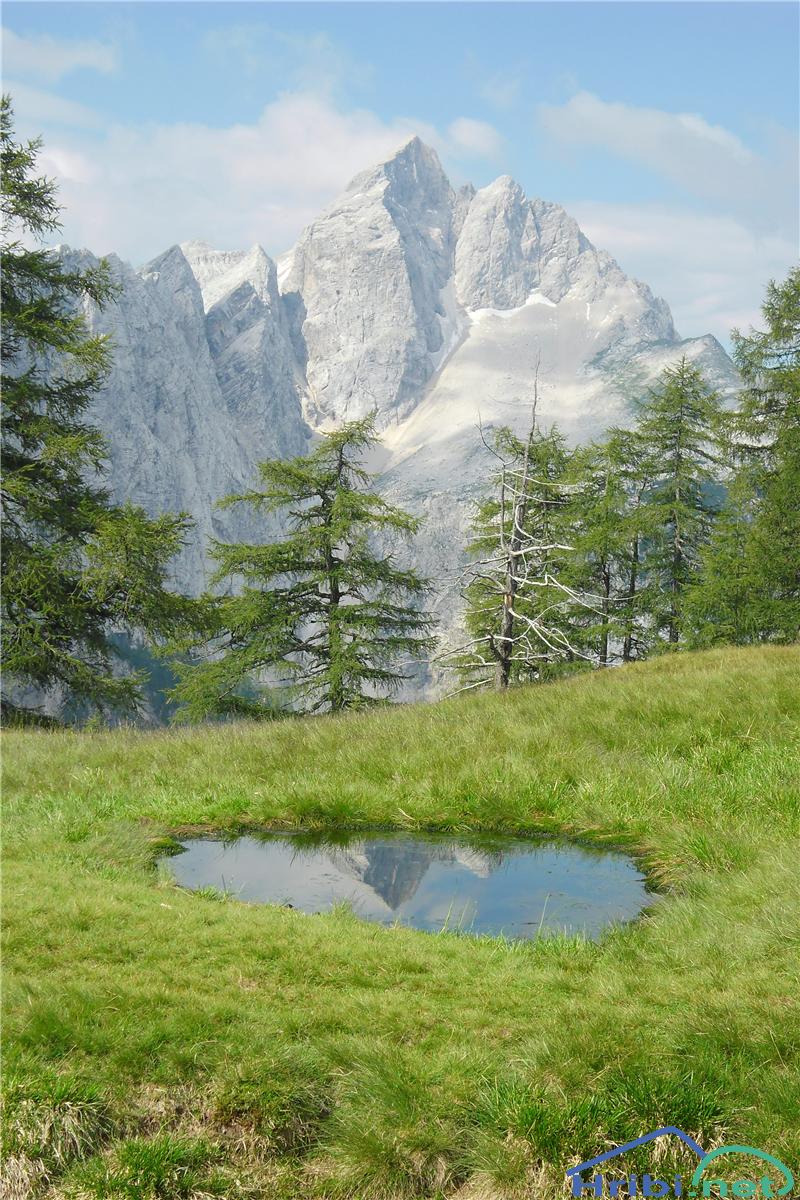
163, 1044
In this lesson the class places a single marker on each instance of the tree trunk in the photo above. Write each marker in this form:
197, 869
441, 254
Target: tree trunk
337, 697
504, 646
605, 608
677, 563
633, 580
503, 650
677, 552
337, 693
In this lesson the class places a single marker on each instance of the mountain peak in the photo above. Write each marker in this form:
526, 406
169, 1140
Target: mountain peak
415, 153
504, 185
429, 305
196, 246
412, 166
413, 144
173, 268
411, 149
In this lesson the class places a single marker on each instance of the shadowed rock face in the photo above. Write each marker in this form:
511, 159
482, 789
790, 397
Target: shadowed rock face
426, 305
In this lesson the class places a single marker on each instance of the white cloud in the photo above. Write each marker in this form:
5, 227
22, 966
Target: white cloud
711, 263
711, 269
136, 191
668, 142
67, 166
35, 109
51, 58
707, 161
474, 138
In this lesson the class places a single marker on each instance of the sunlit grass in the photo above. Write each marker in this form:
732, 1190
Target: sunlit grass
322, 1056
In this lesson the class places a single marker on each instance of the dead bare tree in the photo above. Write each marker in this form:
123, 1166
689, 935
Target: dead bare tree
514, 631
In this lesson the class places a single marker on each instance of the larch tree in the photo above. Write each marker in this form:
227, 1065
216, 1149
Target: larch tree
321, 620
638, 471
678, 427
748, 588
599, 520
611, 526
77, 568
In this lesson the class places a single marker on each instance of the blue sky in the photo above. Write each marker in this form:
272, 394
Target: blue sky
668, 130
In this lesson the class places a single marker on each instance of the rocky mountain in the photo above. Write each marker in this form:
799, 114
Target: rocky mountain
429, 305
196, 398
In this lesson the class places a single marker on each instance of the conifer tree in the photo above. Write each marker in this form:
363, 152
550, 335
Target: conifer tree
749, 586
609, 480
636, 597
76, 568
679, 429
321, 614
724, 602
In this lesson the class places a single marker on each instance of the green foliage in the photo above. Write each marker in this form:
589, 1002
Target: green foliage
678, 427
646, 504
76, 567
609, 527
725, 597
321, 612
749, 587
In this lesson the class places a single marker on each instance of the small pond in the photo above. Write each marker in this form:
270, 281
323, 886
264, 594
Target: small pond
478, 885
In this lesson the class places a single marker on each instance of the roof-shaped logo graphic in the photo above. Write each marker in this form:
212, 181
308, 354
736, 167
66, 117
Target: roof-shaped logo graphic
640, 1141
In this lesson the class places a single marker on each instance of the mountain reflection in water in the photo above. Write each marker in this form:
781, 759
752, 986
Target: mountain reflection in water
489, 885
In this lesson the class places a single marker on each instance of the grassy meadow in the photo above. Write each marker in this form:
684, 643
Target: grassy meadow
160, 1044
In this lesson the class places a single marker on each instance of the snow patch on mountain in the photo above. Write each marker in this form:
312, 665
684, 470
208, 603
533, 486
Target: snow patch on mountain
480, 314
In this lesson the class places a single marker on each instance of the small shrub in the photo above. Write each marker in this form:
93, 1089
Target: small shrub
164, 1168
283, 1106
53, 1121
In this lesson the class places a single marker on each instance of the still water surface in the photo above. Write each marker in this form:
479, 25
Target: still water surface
479, 885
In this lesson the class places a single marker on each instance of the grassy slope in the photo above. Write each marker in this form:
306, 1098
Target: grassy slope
191, 1043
